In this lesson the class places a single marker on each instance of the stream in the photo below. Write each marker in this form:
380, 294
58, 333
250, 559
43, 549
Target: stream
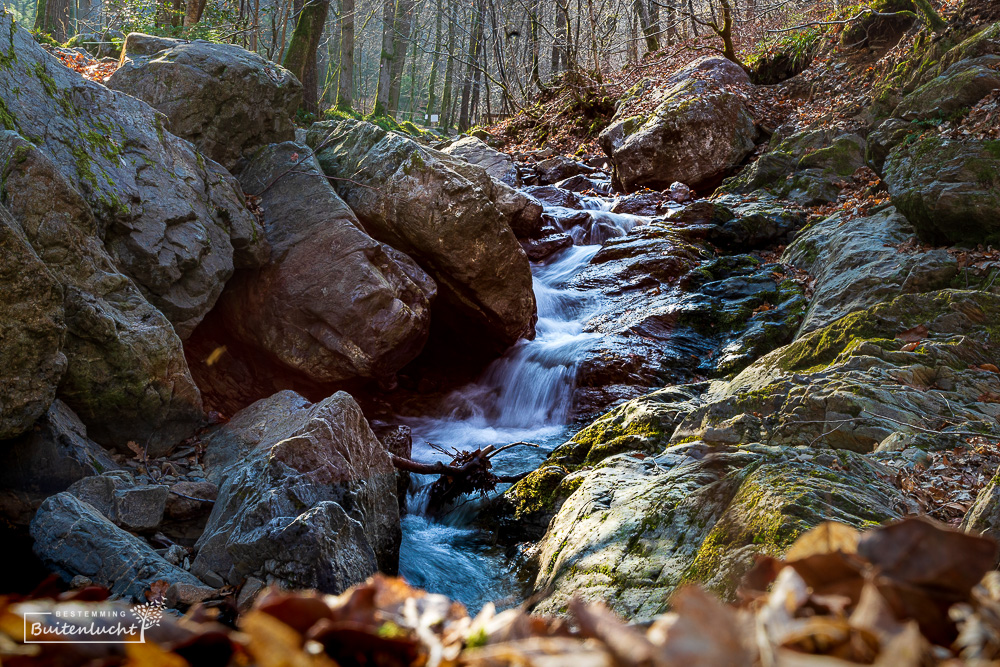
526, 395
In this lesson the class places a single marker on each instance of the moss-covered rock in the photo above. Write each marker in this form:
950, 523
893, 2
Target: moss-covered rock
637, 529
805, 167
948, 190
954, 92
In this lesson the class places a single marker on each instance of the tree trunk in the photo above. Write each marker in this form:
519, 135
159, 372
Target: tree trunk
193, 12
560, 46
435, 59
53, 17
934, 20
449, 70
533, 29
647, 29
463, 116
402, 27
300, 59
725, 32
345, 85
385, 60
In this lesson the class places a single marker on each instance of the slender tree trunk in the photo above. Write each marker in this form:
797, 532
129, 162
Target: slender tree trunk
345, 85
449, 70
560, 47
435, 59
647, 29
463, 116
934, 20
533, 28
691, 13
300, 59
477, 72
402, 27
385, 61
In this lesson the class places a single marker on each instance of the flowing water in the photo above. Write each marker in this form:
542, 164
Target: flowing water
526, 395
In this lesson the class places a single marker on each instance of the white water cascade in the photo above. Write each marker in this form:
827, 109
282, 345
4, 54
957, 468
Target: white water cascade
526, 395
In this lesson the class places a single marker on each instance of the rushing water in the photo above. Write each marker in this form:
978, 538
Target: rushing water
526, 395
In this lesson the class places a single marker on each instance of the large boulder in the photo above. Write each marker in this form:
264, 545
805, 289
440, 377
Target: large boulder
172, 221
476, 151
858, 263
74, 539
306, 496
808, 167
636, 529
332, 303
126, 374
700, 130
949, 190
222, 98
31, 327
955, 91
54, 454
442, 212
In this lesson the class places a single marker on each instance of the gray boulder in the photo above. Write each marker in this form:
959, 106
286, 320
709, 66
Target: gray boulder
222, 98
126, 374
948, 190
31, 328
74, 539
306, 496
857, 264
130, 505
47, 459
957, 89
172, 222
442, 212
558, 168
332, 303
699, 131
806, 167
476, 151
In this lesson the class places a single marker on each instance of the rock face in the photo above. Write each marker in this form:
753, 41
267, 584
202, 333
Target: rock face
440, 211
857, 263
634, 530
476, 151
948, 190
699, 131
223, 99
306, 496
126, 375
73, 538
816, 160
172, 222
957, 89
332, 304
31, 328
136, 507
46, 460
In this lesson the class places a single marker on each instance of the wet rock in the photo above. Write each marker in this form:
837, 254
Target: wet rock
172, 222
540, 249
957, 89
443, 213
699, 131
582, 183
642, 425
883, 139
854, 383
558, 168
136, 507
51, 456
126, 375
816, 161
476, 151
31, 327
948, 190
553, 196
680, 193
523, 211
223, 99
636, 529
74, 539
644, 203
306, 496
857, 264
332, 304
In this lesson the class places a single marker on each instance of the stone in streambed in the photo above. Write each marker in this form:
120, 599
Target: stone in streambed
441, 211
306, 496
332, 303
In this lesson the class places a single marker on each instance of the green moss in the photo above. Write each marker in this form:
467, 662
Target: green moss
7, 118
536, 493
